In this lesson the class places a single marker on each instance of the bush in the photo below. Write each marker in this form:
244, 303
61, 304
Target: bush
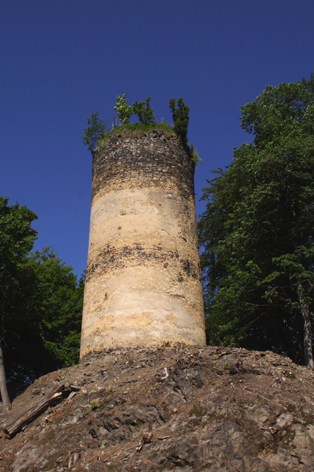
180, 117
95, 131
124, 111
144, 112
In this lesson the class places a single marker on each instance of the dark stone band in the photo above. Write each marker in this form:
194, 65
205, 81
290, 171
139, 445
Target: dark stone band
112, 258
152, 160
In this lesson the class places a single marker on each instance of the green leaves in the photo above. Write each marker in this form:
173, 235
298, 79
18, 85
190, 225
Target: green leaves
42, 318
59, 304
124, 111
257, 230
95, 131
40, 301
144, 111
16, 235
16, 240
277, 109
180, 117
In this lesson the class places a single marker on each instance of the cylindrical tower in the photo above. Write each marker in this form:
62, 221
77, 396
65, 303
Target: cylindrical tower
143, 282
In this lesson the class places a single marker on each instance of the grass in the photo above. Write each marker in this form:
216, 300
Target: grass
135, 131
94, 406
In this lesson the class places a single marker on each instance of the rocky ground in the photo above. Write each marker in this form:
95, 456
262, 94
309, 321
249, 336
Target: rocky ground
172, 408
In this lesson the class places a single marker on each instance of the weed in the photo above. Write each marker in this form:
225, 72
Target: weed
94, 405
195, 154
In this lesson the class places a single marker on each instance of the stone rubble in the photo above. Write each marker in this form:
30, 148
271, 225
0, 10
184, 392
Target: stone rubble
178, 408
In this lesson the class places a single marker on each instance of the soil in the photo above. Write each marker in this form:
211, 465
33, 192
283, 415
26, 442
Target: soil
175, 409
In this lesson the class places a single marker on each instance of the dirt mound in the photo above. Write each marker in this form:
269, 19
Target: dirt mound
172, 408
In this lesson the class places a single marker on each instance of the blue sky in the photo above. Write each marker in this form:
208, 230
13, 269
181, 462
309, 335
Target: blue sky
60, 61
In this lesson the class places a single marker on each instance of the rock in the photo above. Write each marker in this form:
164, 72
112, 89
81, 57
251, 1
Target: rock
215, 410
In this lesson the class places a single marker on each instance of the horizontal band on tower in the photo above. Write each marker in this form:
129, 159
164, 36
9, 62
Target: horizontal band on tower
112, 258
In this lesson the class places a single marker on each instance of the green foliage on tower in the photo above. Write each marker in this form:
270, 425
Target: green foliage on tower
95, 131
124, 111
257, 231
180, 117
144, 112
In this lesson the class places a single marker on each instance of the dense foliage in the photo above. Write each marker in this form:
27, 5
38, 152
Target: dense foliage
54, 300
16, 239
124, 111
97, 132
40, 301
144, 112
257, 230
180, 117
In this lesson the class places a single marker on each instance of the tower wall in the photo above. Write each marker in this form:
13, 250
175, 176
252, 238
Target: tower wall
143, 281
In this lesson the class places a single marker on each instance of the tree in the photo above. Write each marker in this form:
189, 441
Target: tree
16, 240
44, 333
58, 304
40, 304
124, 111
144, 111
257, 230
95, 131
180, 117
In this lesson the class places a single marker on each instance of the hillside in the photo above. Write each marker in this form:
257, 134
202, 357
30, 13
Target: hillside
172, 408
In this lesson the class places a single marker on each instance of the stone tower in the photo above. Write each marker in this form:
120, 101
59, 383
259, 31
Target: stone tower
143, 282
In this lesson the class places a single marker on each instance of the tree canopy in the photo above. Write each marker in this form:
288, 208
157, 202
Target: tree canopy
40, 303
48, 312
257, 230
144, 111
16, 240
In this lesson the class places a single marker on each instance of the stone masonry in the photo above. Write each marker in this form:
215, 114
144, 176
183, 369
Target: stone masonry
143, 283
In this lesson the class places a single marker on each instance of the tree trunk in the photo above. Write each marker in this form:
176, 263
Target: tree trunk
3, 384
49, 399
307, 328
